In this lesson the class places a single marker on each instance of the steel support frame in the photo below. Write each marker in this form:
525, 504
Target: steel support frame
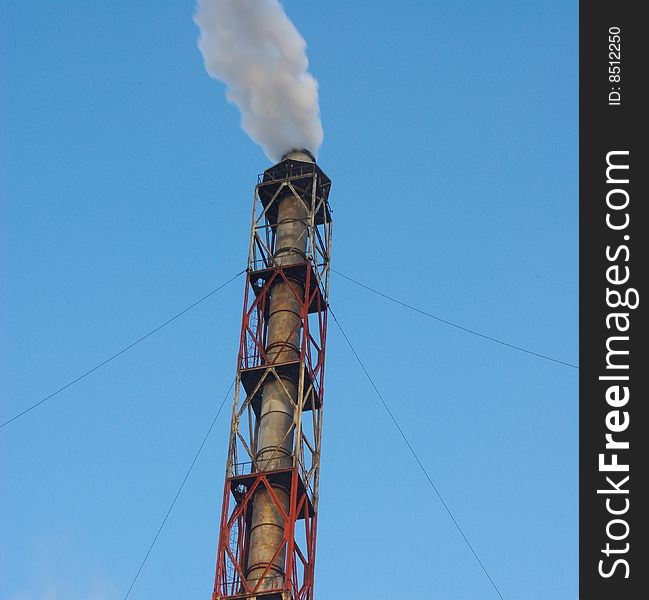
245, 475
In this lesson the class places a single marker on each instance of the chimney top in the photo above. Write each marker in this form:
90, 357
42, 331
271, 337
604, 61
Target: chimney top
301, 154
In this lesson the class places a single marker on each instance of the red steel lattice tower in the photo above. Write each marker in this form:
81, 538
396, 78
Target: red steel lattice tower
267, 539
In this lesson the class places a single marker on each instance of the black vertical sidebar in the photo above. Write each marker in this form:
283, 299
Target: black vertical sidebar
614, 300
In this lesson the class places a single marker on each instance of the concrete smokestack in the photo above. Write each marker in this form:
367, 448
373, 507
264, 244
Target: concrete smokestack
275, 445
267, 538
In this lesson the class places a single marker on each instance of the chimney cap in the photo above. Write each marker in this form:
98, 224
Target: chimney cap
301, 154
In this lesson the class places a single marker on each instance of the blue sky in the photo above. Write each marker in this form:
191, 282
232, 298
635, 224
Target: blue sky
126, 189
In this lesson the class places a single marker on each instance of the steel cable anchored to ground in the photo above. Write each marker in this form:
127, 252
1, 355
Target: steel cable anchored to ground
122, 351
456, 325
180, 489
415, 456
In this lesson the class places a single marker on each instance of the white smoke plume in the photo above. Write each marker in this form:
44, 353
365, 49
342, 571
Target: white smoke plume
254, 48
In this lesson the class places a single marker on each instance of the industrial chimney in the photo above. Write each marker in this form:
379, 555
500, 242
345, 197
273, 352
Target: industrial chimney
268, 522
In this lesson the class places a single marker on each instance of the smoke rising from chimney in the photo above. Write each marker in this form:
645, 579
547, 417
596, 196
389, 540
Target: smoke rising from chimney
254, 48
